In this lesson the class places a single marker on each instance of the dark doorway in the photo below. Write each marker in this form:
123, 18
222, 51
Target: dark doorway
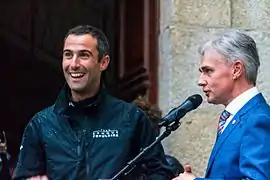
26, 88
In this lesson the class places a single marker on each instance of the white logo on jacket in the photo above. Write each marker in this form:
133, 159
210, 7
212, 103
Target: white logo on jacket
105, 133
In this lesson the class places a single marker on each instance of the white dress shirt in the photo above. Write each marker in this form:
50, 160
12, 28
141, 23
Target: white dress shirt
235, 105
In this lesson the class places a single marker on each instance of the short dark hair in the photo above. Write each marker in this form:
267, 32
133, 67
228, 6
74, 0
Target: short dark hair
102, 41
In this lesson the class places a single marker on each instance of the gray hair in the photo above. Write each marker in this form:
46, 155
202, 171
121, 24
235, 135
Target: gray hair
236, 45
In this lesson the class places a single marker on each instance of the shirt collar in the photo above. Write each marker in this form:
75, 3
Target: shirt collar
236, 104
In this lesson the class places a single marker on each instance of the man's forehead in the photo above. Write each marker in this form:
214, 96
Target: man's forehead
83, 40
210, 62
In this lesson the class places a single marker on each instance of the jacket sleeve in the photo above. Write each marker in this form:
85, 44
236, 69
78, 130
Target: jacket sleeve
254, 162
157, 167
31, 157
255, 149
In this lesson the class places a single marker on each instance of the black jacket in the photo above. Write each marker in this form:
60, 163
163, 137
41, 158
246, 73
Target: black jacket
91, 140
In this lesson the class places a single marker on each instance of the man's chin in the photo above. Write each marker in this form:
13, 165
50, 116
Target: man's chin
212, 101
77, 89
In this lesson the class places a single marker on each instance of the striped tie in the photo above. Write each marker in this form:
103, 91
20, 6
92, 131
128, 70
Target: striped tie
222, 120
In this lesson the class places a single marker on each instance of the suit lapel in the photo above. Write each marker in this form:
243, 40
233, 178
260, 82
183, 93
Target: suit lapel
234, 122
231, 126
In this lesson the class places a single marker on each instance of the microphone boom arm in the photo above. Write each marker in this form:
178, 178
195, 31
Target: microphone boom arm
132, 164
171, 121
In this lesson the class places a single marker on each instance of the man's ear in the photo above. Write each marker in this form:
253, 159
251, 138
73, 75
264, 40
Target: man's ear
104, 63
238, 69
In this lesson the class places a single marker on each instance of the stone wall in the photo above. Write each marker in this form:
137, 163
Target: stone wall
184, 26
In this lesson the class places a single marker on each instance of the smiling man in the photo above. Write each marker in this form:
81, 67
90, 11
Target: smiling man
88, 134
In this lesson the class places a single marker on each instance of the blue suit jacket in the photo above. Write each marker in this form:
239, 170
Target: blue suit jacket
243, 149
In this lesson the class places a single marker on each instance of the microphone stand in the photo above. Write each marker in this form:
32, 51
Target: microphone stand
132, 164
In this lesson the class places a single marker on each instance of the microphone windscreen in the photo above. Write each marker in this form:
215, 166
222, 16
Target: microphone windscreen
196, 100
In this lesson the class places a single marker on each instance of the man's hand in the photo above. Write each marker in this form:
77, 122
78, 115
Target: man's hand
185, 176
38, 178
188, 168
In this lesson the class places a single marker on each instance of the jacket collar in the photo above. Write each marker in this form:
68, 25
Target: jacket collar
63, 102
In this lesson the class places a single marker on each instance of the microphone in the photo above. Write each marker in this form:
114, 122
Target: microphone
177, 113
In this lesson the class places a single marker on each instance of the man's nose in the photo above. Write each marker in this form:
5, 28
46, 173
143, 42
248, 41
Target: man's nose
202, 81
75, 63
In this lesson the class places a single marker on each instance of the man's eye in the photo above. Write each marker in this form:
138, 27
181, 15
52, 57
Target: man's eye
207, 71
68, 55
84, 55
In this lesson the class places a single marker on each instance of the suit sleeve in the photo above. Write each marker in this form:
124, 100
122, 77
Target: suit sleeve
254, 160
255, 149
31, 157
156, 164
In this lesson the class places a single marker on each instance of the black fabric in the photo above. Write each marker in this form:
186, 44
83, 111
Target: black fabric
93, 141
